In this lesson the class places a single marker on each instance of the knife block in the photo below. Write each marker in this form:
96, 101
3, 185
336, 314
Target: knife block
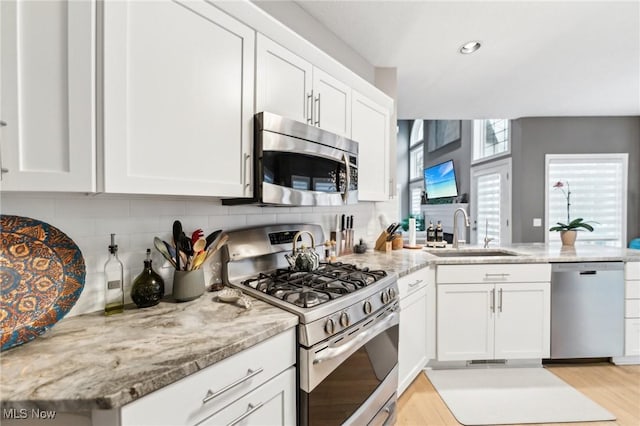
381, 242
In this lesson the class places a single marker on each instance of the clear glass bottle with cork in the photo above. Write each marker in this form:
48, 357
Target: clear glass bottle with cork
114, 281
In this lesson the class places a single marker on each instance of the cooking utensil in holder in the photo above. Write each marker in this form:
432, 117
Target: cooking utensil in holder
305, 258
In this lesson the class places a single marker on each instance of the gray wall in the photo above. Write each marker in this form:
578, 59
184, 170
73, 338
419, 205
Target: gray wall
402, 169
532, 138
459, 152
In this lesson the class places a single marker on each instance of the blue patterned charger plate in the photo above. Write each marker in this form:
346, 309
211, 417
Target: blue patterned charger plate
42, 274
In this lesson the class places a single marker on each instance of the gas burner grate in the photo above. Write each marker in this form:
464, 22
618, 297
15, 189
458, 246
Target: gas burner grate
309, 289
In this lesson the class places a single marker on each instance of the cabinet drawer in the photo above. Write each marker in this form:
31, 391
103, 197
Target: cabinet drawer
413, 282
632, 270
183, 402
632, 337
273, 403
632, 308
632, 290
494, 273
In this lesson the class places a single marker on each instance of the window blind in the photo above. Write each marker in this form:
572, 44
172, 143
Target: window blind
415, 197
488, 196
598, 190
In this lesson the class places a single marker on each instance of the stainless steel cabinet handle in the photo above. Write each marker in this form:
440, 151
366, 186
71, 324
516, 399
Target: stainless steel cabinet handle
500, 300
212, 395
247, 182
492, 307
251, 409
317, 102
309, 114
503, 276
4, 170
415, 284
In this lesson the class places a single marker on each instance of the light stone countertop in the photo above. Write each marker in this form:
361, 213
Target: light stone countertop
92, 361
405, 261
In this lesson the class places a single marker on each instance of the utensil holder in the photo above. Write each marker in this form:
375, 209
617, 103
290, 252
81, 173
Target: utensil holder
188, 285
397, 242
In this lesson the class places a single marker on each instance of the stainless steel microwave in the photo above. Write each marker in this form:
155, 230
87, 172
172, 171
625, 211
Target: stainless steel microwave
296, 164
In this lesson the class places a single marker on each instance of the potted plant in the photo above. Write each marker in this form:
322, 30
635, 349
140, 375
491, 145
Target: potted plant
568, 230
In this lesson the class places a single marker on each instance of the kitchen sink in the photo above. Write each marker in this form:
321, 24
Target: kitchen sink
471, 253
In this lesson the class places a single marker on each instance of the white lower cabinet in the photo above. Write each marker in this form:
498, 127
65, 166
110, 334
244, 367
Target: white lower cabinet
257, 385
412, 344
485, 321
273, 403
632, 309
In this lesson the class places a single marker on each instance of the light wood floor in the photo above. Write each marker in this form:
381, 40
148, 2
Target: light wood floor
616, 388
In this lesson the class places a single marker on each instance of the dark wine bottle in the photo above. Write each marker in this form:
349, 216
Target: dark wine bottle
431, 232
148, 287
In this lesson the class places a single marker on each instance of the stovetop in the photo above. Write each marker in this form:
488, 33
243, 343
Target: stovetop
309, 289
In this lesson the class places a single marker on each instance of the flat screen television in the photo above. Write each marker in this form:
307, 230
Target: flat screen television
440, 181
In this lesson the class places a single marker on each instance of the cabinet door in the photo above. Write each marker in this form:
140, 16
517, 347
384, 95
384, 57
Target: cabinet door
465, 322
370, 128
178, 99
47, 95
283, 81
412, 348
522, 325
331, 104
273, 403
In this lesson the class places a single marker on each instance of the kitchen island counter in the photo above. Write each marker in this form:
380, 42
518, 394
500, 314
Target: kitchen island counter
406, 261
96, 362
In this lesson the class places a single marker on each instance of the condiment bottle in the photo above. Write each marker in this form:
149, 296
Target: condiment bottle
114, 281
439, 232
431, 232
148, 287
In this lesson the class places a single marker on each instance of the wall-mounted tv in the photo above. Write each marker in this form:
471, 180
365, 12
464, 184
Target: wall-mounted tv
440, 181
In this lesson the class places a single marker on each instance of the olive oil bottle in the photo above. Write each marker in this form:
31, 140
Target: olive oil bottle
114, 281
148, 287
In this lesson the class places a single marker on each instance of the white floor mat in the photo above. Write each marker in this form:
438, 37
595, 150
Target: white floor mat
494, 396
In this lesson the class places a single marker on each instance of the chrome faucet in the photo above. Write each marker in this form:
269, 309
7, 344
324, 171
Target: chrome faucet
455, 225
487, 240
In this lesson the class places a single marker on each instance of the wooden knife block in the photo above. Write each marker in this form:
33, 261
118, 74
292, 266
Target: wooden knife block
395, 244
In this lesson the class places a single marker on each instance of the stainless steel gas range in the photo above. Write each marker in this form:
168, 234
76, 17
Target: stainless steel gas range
348, 329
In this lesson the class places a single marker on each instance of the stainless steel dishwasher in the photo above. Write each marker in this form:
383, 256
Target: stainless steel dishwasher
587, 310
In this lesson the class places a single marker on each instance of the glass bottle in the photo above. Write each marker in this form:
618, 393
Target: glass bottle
114, 281
439, 232
148, 287
431, 232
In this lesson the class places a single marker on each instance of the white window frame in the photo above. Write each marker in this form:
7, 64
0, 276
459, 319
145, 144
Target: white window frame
622, 157
478, 136
503, 167
416, 141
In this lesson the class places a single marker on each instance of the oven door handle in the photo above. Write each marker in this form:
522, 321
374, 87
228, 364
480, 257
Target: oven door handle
334, 352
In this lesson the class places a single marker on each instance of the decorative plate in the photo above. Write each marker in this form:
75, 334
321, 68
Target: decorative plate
42, 274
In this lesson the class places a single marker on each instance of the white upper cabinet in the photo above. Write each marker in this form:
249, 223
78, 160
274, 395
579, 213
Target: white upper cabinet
283, 82
331, 104
370, 128
47, 95
289, 86
178, 99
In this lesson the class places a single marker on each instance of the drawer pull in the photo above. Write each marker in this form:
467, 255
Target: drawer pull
212, 395
503, 276
415, 283
251, 409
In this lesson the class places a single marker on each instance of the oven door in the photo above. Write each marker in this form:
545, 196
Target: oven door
352, 376
298, 172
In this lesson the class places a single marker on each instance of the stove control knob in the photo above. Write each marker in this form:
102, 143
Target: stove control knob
330, 326
367, 307
392, 294
344, 319
385, 297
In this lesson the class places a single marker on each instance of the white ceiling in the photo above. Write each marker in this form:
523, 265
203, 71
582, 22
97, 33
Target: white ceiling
572, 58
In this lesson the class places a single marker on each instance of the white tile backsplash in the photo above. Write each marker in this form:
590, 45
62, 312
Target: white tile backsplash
90, 219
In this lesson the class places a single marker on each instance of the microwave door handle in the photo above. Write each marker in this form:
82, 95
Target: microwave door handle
347, 170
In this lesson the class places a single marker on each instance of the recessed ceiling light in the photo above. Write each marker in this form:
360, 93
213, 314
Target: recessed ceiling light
470, 47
